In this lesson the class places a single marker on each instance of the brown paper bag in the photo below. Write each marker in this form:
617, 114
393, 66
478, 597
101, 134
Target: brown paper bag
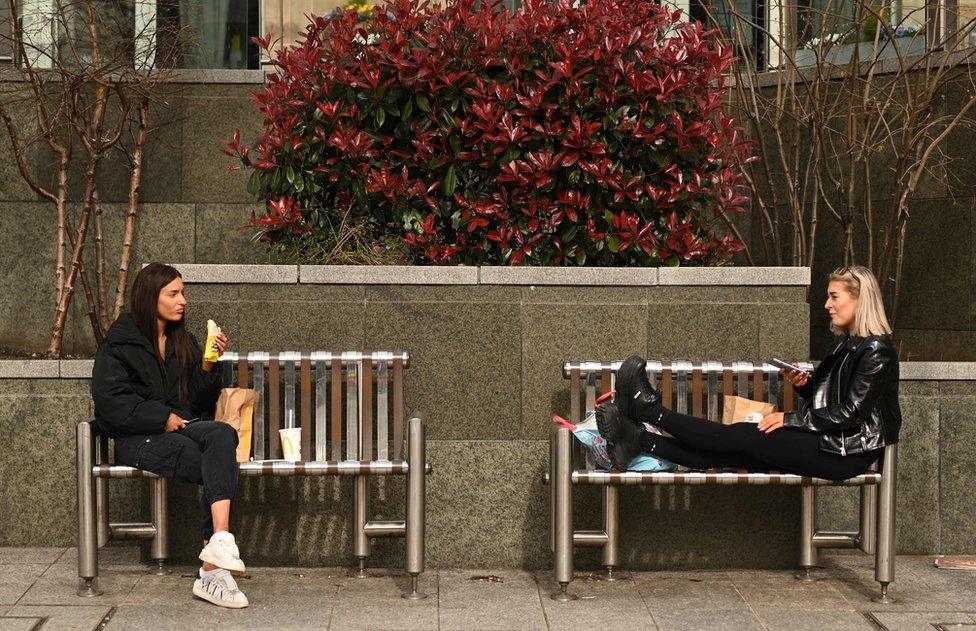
236, 408
734, 409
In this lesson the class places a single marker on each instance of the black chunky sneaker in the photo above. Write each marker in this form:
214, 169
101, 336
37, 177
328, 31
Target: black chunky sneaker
622, 436
636, 398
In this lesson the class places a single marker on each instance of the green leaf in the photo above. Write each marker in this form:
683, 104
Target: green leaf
290, 174
450, 181
423, 103
407, 110
380, 116
254, 183
581, 257
608, 216
613, 243
299, 183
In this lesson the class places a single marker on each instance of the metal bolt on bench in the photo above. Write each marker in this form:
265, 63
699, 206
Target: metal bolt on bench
569, 466
348, 396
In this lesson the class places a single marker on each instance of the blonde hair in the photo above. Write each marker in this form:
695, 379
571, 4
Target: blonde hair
869, 318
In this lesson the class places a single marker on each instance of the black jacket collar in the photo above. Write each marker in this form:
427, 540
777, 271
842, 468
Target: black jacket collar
125, 331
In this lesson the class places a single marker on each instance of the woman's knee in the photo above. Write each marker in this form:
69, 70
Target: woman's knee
220, 435
227, 433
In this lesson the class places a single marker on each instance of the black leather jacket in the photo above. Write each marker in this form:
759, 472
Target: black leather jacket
852, 398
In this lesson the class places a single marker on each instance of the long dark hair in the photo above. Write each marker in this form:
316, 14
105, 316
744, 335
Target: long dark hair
143, 303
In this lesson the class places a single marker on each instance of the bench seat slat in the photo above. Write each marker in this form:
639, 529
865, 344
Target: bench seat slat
276, 468
692, 478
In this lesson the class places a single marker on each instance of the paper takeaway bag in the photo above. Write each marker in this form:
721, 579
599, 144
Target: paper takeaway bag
236, 408
734, 409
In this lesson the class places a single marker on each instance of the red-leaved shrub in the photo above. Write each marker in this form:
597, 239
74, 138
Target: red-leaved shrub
556, 134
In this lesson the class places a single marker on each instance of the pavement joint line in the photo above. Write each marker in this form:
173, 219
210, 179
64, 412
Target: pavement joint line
542, 603
646, 606
752, 610
873, 621
105, 619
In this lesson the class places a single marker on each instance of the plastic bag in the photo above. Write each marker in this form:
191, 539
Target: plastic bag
588, 434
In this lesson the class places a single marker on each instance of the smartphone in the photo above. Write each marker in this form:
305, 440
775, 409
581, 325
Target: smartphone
192, 420
779, 363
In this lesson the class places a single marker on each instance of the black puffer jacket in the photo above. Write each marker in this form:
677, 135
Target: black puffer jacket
852, 398
133, 395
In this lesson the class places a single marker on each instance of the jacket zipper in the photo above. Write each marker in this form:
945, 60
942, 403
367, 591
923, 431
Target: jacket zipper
843, 446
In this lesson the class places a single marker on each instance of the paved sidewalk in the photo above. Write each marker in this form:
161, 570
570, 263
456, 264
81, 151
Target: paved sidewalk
37, 591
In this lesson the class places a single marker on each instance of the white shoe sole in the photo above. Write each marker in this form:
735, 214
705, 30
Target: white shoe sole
199, 592
234, 565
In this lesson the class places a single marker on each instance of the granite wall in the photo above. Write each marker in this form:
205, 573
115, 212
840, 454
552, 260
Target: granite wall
485, 372
501, 522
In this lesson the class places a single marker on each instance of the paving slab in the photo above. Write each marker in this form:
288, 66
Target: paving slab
15, 580
929, 621
58, 585
184, 616
375, 603
601, 605
62, 618
283, 601
122, 556
495, 600
20, 624
785, 620
29, 555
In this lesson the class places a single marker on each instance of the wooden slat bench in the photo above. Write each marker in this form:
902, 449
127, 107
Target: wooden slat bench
351, 410
698, 389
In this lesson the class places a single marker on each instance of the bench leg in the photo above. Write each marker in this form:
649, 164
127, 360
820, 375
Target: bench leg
87, 530
563, 562
611, 525
159, 510
101, 494
808, 526
869, 519
360, 500
884, 558
416, 505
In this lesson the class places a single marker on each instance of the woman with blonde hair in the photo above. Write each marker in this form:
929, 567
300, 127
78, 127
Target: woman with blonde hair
849, 414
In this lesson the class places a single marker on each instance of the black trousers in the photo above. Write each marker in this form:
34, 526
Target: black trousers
702, 444
204, 452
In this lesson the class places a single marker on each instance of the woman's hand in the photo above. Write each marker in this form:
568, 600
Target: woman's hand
219, 346
798, 378
174, 423
771, 422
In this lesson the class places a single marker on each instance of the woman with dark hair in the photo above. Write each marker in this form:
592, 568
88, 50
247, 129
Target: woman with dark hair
850, 411
155, 395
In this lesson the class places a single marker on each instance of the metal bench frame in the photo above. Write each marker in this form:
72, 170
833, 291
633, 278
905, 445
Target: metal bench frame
342, 389
569, 466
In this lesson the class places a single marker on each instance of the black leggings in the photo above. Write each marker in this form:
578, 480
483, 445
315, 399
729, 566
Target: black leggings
203, 452
702, 444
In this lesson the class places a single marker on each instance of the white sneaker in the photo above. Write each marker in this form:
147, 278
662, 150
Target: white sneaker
223, 553
220, 588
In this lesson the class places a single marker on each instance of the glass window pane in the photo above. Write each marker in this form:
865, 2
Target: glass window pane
836, 31
219, 33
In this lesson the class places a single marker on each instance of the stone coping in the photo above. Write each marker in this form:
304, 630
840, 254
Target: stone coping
82, 368
492, 275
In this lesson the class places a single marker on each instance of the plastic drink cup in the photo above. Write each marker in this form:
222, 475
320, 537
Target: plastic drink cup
291, 443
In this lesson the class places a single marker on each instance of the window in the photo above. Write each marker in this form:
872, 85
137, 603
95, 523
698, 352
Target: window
147, 33
834, 31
